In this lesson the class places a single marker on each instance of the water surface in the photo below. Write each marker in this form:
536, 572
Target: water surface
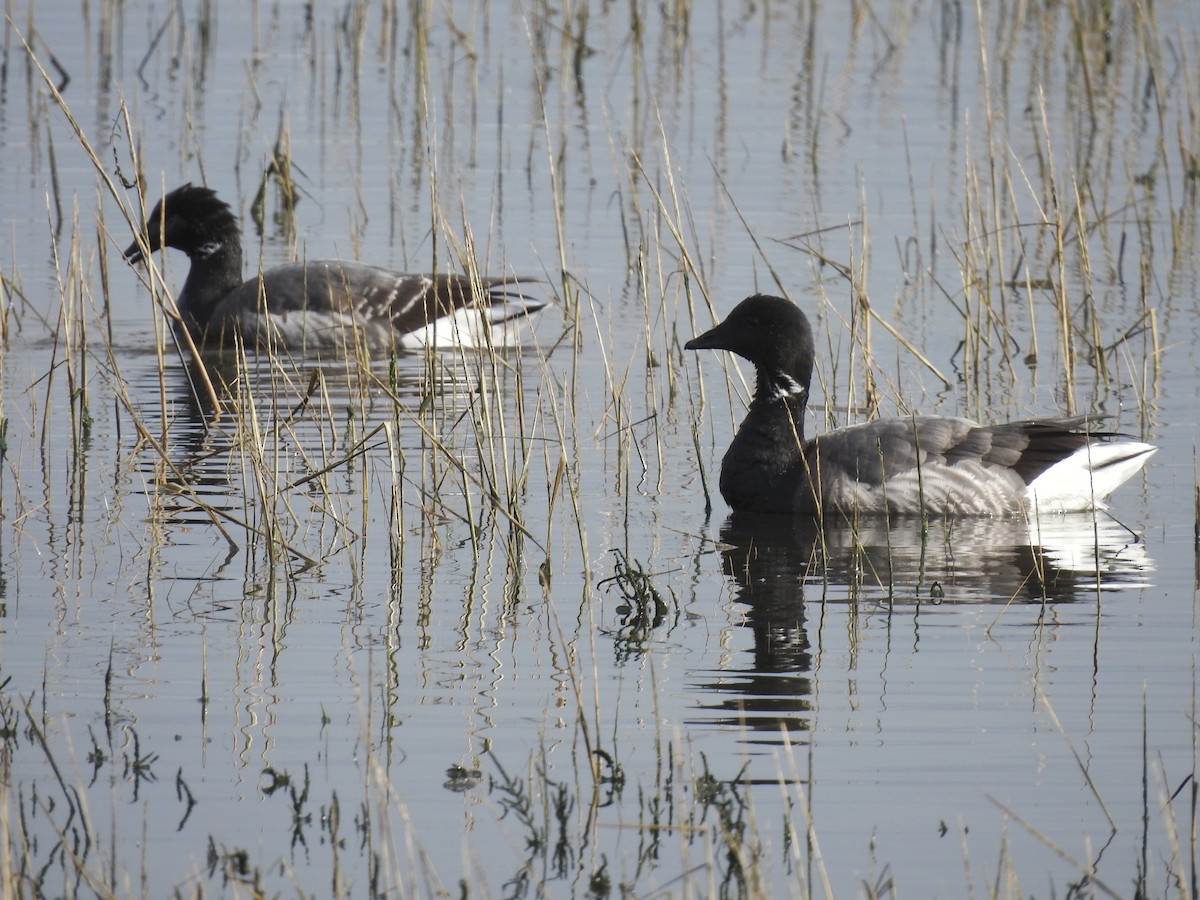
359, 632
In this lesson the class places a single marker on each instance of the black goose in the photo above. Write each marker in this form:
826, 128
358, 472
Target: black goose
938, 465
322, 305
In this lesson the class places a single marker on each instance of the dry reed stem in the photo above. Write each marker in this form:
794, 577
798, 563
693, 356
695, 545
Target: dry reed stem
1086, 870
153, 274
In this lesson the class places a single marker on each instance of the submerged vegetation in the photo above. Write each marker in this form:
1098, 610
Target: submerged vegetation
479, 549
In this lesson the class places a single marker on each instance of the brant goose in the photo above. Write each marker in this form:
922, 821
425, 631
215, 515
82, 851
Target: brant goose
322, 305
937, 465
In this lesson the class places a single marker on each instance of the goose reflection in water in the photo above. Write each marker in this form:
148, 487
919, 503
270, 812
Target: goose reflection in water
311, 418
777, 563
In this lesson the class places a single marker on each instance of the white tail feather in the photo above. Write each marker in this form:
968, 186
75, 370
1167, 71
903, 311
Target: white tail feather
1086, 478
499, 324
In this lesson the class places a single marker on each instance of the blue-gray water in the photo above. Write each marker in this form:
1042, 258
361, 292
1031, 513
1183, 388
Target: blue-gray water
914, 706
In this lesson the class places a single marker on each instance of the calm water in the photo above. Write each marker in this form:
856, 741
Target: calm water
369, 641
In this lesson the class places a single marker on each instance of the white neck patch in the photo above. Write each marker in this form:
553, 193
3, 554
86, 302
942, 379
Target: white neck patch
780, 386
207, 249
